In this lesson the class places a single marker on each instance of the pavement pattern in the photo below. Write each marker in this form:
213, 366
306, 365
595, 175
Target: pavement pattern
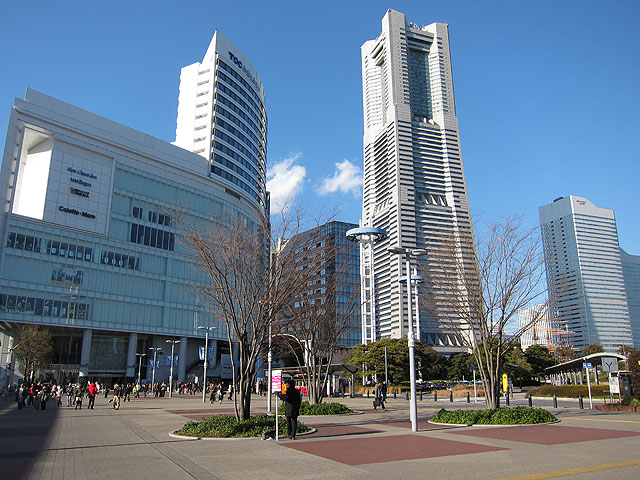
134, 442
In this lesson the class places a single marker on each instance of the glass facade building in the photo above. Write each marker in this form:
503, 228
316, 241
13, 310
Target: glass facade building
584, 273
91, 247
222, 117
414, 185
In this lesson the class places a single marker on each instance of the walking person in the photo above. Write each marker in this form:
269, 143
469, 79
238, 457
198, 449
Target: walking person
117, 392
293, 400
92, 391
379, 397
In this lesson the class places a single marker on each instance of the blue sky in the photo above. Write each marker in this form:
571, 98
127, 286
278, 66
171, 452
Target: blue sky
547, 92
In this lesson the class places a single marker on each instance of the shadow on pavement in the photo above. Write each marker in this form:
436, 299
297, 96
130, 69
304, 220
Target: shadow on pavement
23, 436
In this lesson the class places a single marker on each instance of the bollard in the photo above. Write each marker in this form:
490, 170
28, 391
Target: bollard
506, 399
555, 401
468, 398
530, 401
395, 395
420, 395
367, 393
580, 402
435, 396
407, 394
450, 396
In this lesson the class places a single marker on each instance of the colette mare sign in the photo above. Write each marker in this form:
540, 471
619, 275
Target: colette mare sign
73, 211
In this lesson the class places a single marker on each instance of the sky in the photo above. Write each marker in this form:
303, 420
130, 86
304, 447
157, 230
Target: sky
547, 93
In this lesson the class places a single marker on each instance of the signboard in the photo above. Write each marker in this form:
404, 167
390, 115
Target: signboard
609, 364
614, 384
226, 367
168, 361
586, 365
276, 380
505, 382
210, 354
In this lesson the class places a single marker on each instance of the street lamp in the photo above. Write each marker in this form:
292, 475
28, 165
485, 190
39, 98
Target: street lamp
140, 355
367, 237
413, 405
12, 366
206, 358
153, 378
173, 344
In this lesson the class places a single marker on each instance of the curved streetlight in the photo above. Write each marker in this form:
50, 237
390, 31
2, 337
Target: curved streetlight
367, 237
206, 358
173, 344
413, 405
140, 355
415, 280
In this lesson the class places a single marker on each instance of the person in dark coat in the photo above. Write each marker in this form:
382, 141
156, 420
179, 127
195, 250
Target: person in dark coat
293, 400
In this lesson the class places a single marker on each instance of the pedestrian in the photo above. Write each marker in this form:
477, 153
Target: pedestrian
293, 400
70, 395
117, 391
378, 400
92, 391
78, 393
20, 396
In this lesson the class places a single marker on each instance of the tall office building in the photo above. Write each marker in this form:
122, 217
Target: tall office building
631, 272
584, 272
414, 184
222, 117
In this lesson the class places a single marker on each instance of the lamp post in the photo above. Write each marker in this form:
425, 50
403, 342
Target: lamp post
173, 344
413, 405
153, 378
140, 355
206, 358
12, 365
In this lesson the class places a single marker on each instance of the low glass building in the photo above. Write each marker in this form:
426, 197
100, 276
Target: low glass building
90, 247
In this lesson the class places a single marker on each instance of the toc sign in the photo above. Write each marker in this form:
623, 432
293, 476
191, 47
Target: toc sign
276, 380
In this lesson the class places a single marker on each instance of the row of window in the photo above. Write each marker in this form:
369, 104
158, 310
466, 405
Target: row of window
227, 68
59, 249
233, 166
44, 307
227, 91
155, 217
234, 131
237, 157
235, 180
220, 100
229, 116
234, 143
152, 237
120, 260
239, 89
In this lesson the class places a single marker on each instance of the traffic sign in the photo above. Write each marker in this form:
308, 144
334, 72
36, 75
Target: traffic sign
586, 365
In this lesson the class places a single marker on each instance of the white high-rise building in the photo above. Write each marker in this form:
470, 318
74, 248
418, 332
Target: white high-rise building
414, 184
584, 272
631, 272
222, 117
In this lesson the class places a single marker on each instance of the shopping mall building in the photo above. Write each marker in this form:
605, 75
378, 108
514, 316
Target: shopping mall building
90, 244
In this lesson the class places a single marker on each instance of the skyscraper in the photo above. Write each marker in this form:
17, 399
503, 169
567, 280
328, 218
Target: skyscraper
584, 272
631, 272
414, 184
222, 117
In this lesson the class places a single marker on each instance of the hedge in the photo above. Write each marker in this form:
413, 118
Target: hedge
499, 416
226, 426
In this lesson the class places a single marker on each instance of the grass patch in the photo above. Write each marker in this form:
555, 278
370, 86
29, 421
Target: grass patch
568, 391
226, 426
331, 408
499, 416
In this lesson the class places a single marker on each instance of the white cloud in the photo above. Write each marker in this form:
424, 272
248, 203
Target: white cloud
346, 178
284, 181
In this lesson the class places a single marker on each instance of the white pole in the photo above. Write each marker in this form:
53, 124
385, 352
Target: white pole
413, 405
475, 389
269, 388
171, 375
206, 357
589, 386
139, 368
153, 378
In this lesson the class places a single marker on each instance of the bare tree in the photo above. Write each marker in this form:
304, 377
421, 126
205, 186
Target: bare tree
478, 299
35, 349
248, 279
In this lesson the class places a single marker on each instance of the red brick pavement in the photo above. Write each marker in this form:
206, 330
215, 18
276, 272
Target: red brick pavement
360, 451
546, 434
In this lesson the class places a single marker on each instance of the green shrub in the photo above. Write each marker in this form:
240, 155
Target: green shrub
331, 408
568, 391
226, 426
500, 416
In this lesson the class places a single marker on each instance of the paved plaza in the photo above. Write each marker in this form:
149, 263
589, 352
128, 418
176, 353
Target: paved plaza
134, 442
